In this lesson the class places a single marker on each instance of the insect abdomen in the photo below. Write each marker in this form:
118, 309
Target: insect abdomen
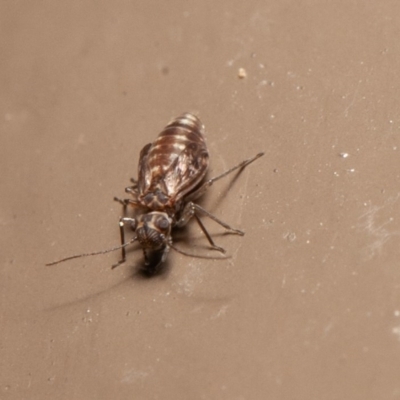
182, 132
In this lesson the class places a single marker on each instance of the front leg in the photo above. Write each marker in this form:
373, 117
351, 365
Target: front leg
122, 222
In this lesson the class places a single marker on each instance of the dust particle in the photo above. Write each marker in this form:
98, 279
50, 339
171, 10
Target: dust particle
242, 73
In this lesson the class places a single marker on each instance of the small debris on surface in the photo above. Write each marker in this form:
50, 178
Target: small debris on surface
242, 73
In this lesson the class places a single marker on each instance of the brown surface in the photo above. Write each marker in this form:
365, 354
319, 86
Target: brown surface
308, 307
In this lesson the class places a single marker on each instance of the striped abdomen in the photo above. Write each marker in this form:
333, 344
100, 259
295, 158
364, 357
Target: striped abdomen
173, 164
183, 132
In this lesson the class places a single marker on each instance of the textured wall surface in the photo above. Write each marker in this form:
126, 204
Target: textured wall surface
307, 306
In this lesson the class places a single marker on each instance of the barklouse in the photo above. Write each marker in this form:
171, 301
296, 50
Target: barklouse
170, 178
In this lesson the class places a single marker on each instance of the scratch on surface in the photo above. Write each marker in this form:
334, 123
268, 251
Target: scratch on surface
133, 375
193, 276
380, 232
328, 328
353, 100
220, 312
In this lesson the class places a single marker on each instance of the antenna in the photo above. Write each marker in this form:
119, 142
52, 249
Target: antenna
92, 254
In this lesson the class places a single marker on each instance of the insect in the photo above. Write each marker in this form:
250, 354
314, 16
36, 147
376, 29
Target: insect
171, 176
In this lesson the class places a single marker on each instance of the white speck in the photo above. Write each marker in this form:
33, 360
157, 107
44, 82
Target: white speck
396, 331
344, 155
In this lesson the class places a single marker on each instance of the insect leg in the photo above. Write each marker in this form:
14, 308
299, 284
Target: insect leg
122, 222
131, 190
200, 210
209, 238
124, 202
191, 210
204, 187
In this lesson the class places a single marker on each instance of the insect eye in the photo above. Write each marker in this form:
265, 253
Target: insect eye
162, 223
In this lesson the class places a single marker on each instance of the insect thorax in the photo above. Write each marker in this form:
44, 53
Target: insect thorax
155, 200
